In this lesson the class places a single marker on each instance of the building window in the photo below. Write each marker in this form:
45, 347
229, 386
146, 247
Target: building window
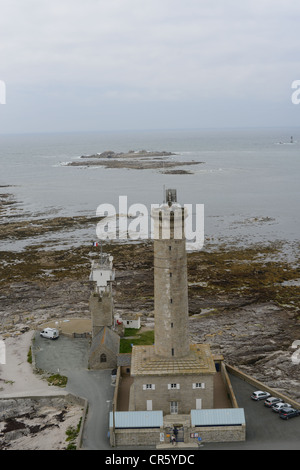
173, 407
172, 351
171, 325
170, 248
170, 274
173, 386
103, 358
171, 301
199, 385
148, 386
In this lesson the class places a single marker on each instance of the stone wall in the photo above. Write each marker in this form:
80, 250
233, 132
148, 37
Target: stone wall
135, 437
101, 308
95, 362
217, 433
151, 437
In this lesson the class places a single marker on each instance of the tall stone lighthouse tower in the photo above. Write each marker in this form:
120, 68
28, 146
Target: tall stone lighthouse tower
170, 279
172, 375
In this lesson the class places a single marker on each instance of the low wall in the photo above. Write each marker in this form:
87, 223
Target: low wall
136, 437
218, 433
151, 437
228, 386
260, 386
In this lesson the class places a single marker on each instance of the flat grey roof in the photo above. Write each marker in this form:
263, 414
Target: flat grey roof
218, 417
136, 419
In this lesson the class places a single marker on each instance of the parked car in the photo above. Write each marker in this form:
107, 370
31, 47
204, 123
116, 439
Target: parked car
51, 333
269, 402
287, 413
260, 395
278, 406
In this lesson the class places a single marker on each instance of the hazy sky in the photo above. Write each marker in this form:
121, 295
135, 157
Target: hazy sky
74, 65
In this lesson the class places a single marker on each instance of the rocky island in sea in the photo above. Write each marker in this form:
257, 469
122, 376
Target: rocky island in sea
129, 154
135, 160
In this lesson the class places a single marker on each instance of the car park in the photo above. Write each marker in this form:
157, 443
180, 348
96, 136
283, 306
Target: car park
278, 406
260, 395
287, 413
269, 402
51, 333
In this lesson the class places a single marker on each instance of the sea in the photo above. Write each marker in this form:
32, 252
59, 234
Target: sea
248, 181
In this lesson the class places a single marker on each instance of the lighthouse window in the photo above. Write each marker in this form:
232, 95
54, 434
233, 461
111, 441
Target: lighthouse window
170, 274
171, 301
103, 358
171, 325
170, 248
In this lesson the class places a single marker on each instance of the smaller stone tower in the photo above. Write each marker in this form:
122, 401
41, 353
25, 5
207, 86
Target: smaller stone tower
105, 342
101, 299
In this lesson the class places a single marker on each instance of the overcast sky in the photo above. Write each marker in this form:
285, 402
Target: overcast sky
74, 65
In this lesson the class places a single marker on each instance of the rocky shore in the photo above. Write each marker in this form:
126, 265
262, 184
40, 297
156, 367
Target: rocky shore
244, 302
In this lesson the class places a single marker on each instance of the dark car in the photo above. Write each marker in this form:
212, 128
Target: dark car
287, 413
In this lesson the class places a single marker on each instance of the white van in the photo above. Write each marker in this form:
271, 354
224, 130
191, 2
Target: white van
51, 333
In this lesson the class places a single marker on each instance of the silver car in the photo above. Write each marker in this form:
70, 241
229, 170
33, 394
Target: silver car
269, 402
259, 395
277, 407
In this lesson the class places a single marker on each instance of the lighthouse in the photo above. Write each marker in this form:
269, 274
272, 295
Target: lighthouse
171, 375
170, 279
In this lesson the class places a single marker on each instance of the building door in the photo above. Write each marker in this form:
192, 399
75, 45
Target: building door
174, 407
198, 403
179, 433
149, 405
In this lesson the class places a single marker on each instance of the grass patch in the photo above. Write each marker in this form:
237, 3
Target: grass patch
72, 434
57, 380
144, 338
131, 331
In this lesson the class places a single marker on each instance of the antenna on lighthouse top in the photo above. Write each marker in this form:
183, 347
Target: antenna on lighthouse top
171, 196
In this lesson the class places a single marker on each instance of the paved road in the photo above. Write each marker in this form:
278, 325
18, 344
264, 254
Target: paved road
265, 430
69, 357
